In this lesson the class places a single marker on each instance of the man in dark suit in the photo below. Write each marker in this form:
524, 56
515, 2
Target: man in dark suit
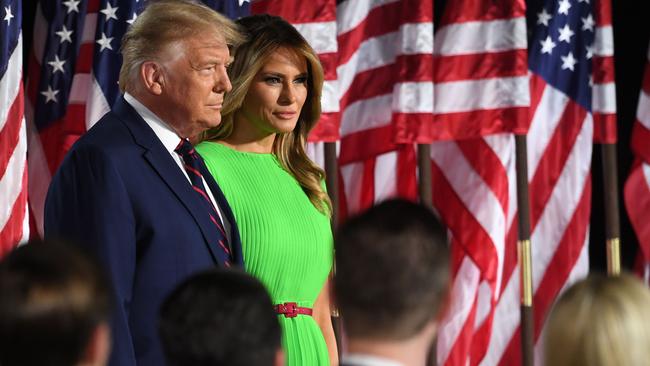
392, 278
133, 190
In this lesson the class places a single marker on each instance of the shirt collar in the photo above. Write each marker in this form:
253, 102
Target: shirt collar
362, 359
167, 136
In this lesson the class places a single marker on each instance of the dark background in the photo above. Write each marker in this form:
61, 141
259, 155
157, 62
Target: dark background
631, 23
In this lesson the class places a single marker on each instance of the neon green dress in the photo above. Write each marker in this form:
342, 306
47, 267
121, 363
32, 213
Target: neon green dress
286, 241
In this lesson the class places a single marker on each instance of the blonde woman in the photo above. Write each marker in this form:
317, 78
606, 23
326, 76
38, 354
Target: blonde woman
600, 321
276, 193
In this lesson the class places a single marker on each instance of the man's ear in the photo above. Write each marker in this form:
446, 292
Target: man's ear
153, 77
98, 347
279, 358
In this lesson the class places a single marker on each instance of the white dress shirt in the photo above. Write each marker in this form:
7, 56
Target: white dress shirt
170, 140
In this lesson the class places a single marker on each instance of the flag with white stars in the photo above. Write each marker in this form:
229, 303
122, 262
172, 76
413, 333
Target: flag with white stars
14, 227
561, 50
73, 75
570, 53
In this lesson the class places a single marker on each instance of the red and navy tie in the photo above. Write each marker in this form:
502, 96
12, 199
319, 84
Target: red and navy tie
192, 162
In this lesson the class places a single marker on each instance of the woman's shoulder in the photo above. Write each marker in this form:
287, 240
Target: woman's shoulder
216, 154
214, 150
222, 148
208, 147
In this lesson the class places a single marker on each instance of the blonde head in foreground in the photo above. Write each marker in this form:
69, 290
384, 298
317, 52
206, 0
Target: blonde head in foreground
600, 321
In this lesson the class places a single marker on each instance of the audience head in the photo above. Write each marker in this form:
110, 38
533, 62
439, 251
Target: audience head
175, 56
392, 271
54, 307
277, 83
600, 321
220, 317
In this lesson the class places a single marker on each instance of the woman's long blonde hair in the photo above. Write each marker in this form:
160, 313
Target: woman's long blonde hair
266, 34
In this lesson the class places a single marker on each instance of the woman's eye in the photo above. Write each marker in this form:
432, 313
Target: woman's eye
272, 80
301, 80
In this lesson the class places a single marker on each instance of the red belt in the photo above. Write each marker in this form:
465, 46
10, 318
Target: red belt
291, 310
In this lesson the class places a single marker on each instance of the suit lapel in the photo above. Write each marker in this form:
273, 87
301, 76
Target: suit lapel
162, 162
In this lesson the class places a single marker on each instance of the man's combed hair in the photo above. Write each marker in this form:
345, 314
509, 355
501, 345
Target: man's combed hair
392, 271
52, 298
164, 23
219, 317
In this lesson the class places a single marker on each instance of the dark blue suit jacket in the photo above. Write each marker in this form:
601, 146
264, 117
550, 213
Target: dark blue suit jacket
120, 194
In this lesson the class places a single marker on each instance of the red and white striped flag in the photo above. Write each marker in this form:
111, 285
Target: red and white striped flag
637, 186
604, 88
572, 94
481, 97
385, 81
14, 224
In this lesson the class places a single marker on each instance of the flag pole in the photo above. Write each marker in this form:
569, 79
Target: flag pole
331, 181
524, 253
425, 193
612, 221
424, 175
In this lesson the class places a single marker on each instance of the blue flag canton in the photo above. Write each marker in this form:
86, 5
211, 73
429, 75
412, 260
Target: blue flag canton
113, 20
65, 23
562, 47
10, 23
233, 9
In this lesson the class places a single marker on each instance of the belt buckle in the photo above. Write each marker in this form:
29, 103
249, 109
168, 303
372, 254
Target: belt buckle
290, 309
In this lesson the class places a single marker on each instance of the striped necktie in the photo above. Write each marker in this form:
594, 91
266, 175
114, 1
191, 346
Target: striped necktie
192, 162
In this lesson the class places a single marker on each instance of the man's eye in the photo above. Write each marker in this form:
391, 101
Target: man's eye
206, 70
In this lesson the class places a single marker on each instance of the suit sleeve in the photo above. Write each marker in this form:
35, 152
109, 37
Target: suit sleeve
88, 204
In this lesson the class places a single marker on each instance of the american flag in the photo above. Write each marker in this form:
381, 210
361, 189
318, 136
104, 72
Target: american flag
385, 82
481, 98
73, 71
571, 86
14, 220
637, 187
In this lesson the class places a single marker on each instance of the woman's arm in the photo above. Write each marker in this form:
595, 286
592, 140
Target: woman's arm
322, 316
